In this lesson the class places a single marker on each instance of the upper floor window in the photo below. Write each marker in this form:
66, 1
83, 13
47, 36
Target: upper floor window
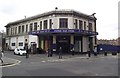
19, 29
31, 26
7, 31
63, 22
26, 28
50, 23
80, 24
11, 31
35, 26
90, 26
40, 25
76, 23
22, 28
15, 30
45, 24
84, 25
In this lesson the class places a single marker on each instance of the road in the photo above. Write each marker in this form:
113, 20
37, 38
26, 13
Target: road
78, 65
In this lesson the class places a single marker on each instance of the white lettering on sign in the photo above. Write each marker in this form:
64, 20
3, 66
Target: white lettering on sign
57, 30
41, 31
45, 30
33, 32
70, 30
38, 32
64, 30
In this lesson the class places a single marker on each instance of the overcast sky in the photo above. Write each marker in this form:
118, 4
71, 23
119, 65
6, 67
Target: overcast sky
106, 12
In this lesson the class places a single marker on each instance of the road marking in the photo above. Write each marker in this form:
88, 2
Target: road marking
17, 62
43, 61
56, 60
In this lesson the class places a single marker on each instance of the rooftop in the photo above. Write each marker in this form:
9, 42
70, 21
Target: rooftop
62, 11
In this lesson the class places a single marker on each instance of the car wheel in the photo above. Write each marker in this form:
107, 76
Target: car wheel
20, 54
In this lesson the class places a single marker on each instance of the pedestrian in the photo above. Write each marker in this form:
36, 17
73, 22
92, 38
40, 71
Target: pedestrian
95, 51
73, 51
51, 53
48, 52
89, 54
1, 55
105, 53
27, 51
60, 53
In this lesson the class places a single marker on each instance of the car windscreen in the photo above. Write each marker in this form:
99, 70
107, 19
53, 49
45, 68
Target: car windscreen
22, 49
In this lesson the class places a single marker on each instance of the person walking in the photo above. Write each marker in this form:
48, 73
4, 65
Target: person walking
27, 51
89, 54
73, 51
95, 51
60, 53
51, 53
1, 55
48, 51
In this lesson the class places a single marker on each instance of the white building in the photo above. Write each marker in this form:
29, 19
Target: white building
65, 28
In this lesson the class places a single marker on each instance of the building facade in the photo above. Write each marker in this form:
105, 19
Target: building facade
2, 40
60, 28
108, 42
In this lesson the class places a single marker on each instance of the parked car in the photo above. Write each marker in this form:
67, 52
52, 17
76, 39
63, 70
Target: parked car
20, 51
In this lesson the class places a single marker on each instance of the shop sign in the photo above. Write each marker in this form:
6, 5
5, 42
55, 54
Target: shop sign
63, 31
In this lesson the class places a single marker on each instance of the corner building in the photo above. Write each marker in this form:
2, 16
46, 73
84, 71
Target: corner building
65, 28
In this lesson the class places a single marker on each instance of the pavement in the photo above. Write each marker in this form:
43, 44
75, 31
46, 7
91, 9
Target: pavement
8, 61
43, 58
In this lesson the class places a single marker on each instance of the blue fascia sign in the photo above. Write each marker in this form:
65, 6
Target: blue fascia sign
77, 31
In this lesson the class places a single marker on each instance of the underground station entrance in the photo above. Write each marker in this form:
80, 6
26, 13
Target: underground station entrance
64, 43
62, 38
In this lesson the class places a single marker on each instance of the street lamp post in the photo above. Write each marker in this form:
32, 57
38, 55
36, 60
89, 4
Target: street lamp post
90, 38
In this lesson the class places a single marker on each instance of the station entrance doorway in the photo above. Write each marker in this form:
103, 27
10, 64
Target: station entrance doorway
64, 43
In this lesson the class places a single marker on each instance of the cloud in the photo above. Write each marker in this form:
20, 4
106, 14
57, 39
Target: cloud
8, 10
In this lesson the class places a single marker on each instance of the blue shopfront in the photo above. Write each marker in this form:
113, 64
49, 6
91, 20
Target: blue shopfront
65, 38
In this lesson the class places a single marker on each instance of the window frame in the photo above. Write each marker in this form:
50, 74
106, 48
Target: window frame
31, 27
23, 28
50, 23
45, 24
85, 25
12, 44
76, 23
7, 31
26, 28
81, 24
20, 44
19, 29
35, 26
41, 25
90, 28
63, 22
